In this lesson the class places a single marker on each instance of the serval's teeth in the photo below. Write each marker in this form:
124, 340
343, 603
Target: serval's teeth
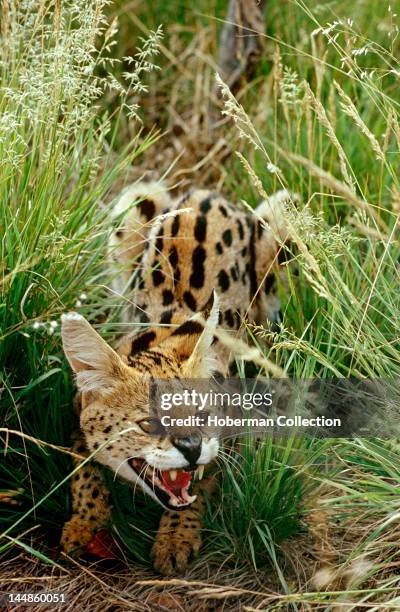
200, 472
173, 474
190, 499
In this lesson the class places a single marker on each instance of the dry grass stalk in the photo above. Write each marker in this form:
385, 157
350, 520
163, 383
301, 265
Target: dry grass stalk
319, 60
40, 443
324, 120
365, 230
394, 123
255, 179
351, 111
335, 185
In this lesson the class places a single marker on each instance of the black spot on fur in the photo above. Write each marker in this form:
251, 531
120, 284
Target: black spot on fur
168, 297
223, 280
269, 283
144, 318
137, 281
234, 272
205, 205
157, 274
166, 316
95, 493
223, 210
198, 259
175, 225
119, 233
159, 241
142, 342
238, 319
134, 363
164, 357
107, 429
240, 229
177, 275
206, 309
282, 256
218, 248
228, 316
200, 228
173, 257
190, 301
227, 237
244, 251
189, 328
147, 209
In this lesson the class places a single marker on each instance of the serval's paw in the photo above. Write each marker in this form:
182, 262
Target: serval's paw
177, 542
76, 535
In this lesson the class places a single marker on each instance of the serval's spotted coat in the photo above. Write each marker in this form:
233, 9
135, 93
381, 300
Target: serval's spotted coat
192, 264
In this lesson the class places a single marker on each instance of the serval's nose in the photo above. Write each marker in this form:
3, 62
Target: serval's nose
189, 446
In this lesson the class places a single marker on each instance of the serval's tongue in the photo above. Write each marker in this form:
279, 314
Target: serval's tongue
181, 481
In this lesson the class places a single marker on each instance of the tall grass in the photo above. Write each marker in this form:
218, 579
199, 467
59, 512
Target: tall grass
326, 126
336, 143
57, 169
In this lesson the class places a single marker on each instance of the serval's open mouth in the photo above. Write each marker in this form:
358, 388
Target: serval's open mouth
171, 487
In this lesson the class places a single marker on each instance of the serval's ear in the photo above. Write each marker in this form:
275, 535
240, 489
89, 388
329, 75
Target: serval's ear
191, 341
96, 365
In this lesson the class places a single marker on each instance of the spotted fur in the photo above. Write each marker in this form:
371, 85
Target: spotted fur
190, 265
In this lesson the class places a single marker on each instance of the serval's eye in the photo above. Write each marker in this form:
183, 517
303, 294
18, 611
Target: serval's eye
151, 426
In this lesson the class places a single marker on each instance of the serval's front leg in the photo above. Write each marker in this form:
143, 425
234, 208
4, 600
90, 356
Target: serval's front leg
91, 508
179, 537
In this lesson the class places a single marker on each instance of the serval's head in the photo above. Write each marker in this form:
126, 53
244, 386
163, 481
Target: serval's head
115, 405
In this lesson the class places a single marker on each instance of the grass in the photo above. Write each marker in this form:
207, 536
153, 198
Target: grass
320, 117
265, 486
57, 170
